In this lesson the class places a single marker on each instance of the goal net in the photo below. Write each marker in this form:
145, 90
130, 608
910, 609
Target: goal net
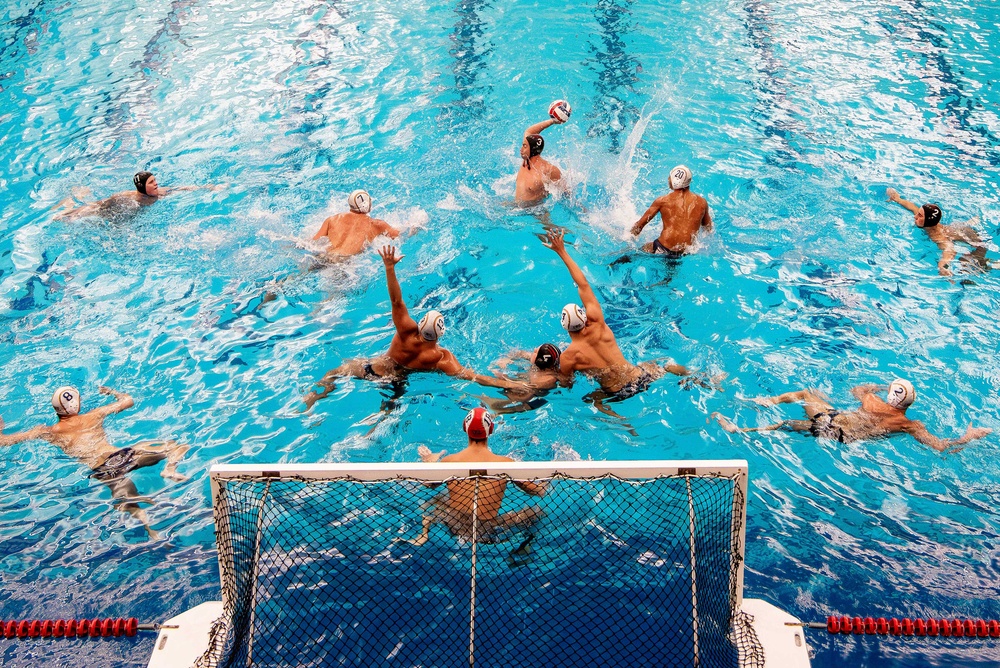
543, 563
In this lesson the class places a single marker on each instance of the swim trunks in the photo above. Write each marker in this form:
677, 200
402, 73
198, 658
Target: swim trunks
660, 249
115, 466
821, 425
635, 387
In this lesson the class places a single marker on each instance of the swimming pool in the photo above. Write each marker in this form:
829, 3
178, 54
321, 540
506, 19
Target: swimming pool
794, 117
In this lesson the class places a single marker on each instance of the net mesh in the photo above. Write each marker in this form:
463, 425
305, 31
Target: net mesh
475, 572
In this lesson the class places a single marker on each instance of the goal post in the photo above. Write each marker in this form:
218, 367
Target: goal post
636, 563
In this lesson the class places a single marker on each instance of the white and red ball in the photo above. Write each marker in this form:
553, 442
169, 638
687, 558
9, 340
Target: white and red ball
560, 110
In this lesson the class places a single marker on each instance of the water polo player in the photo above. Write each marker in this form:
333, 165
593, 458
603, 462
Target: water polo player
877, 417
593, 349
349, 232
682, 212
83, 438
536, 173
928, 218
123, 205
542, 375
453, 508
414, 347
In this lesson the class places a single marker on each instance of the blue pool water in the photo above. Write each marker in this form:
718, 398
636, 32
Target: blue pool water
794, 117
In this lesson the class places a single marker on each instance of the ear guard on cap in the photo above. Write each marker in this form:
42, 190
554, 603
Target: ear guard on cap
66, 401
901, 394
680, 177
573, 318
431, 326
478, 424
360, 201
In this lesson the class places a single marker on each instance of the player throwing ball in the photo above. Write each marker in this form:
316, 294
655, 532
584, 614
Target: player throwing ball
536, 173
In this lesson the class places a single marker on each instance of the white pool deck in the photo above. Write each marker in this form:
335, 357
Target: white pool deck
184, 638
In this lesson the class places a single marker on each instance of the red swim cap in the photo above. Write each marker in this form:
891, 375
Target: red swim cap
478, 424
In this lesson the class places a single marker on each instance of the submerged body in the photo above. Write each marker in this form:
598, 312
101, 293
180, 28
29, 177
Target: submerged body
350, 233
875, 418
414, 347
682, 214
82, 436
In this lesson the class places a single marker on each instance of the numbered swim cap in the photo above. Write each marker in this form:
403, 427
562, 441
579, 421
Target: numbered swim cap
66, 401
478, 424
431, 326
360, 201
574, 318
560, 110
140, 181
901, 394
932, 214
680, 177
547, 356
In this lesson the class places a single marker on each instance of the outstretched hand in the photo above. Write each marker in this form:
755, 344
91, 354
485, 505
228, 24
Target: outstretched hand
892, 194
554, 240
704, 381
389, 256
427, 456
103, 389
973, 433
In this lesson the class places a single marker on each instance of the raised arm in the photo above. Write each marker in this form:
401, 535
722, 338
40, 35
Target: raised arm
918, 431
554, 240
538, 127
651, 212
122, 402
894, 197
30, 435
400, 316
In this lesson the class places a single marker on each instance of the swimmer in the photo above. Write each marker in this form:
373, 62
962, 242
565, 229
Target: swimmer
683, 214
876, 418
349, 232
594, 350
123, 205
536, 173
414, 347
928, 218
541, 376
453, 508
83, 438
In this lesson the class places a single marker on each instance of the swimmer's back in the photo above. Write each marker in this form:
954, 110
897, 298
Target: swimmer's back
350, 232
683, 213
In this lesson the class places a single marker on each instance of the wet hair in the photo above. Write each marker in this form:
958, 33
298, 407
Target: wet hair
535, 146
140, 179
547, 356
932, 214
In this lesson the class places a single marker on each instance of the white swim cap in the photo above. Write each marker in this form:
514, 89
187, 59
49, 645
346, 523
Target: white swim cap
431, 326
66, 401
360, 201
574, 318
901, 394
680, 177
560, 110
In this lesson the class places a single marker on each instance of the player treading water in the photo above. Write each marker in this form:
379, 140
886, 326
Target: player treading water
536, 173
414, 347
83, 438
349, 232
453, 508
594, 350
